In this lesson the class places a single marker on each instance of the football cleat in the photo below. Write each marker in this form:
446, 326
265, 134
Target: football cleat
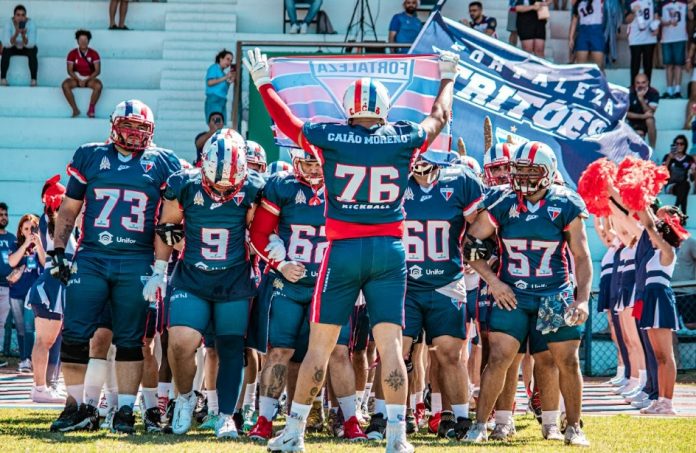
419, 413
503, 431
262, 430
377, 427
209, 422
447, 423
152, 420
183, 413
476, 434
335, 423
411, 423
108, 421
201, 410
74, 418
250, 416
286, 440
162, 403
47, 395
535, 404
315, 419
225, 427
434, 423
551, 432
352, 430
124, 421
574, 436
460, 428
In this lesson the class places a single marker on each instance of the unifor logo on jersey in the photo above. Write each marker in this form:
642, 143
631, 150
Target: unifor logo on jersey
105, 164
300, 198
447, 192
238, 198
553, 212
408, 195
415, 272
198, 199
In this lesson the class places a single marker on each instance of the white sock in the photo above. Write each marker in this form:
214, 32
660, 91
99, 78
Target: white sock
380, 407
40, 388
320, 396
298, 415
213, 407
412, 401
419, 398
666, 401
503, 417
111, 398
436, 402
460, 410
550, 417
347, 404
368, 391
358, 398
267, 406
94, 380
126, 400
396, 413
620, 370
250, 394
111, 383
642, 377
149, 397
163, 389
77, 392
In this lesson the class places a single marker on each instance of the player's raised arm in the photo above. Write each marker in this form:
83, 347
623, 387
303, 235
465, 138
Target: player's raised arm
287, 122
442, 107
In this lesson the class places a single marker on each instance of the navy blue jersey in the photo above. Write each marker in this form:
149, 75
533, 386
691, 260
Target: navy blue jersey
365, 170
7, 242
301, 222
215, 233
32, 270
435, 226
534, 256
121, 196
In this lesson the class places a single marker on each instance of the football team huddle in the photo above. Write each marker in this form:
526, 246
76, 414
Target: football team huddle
358, 271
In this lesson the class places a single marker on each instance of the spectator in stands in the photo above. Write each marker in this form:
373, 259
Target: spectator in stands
83, 69
7, 241
685, 268
532, 16
673, 39
643, 100
643, 24
122, 6
589, 42
682, 168
301, 27
216, 121
20, 39
512, 22
218, 79
405, 26
564, 5
27, 258
479, 22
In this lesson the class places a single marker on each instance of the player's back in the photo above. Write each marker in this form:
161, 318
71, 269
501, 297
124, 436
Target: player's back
365, 173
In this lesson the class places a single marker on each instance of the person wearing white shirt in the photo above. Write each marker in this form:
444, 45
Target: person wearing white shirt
643, 24
20, 39
674, 15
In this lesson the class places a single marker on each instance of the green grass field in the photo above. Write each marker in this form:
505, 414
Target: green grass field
27, 431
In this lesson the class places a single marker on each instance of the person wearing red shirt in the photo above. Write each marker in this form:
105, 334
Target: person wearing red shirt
83, 69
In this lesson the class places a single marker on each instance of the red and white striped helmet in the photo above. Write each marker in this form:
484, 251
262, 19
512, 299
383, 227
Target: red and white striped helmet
256, 155
498, 157
366, 98
224, 165
299, 157
137, 134
533, 155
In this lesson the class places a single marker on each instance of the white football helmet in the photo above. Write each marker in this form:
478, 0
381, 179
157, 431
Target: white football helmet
471, 163
366, 98
496, 164
224, 165
299, 157
533, 168
277, 167
136, 135
256, 155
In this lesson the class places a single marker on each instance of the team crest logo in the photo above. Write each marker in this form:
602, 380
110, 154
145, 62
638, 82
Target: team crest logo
514, 212
201, 265
408, 195
106, 238
447, 192
198, 199
415, 272
147, 166
278, 284
519, 284
105, 164
553, 212
238, 198
300, 197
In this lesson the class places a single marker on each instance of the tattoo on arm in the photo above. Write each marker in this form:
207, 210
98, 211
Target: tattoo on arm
63, 234
395, 380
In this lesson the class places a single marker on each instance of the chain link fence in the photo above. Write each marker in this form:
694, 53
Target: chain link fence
598, 353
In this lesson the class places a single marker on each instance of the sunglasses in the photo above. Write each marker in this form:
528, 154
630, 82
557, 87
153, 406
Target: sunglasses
680, 143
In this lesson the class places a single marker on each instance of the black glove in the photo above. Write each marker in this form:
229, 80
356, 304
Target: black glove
170, 233
61, 266
477, 249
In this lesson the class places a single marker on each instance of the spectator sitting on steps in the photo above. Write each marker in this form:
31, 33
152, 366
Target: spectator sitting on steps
83, 69
642, 104
301, 26
19, 38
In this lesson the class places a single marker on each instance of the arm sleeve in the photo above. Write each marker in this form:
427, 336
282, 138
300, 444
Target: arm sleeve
575, 208
96, 58
174, 187
264, 224
212, 72
77, 170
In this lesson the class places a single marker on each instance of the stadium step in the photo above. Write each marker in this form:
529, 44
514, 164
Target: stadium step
110, 44
192, 85
182, 74
185, 25
186, 54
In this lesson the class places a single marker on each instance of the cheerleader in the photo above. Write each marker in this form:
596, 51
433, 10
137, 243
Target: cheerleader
658, 312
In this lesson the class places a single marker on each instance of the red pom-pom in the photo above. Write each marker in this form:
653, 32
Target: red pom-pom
639, 181
52, 193
594, 184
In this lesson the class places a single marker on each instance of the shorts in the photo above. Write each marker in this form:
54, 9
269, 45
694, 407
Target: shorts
590, 38
362, 334
520, 323
375, 265
289, 317
531, 29
674, 53
257, 336
97, 284
511, 21
227, 318
47, 297
438, 314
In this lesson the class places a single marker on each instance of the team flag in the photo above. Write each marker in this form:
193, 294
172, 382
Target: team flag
572, 108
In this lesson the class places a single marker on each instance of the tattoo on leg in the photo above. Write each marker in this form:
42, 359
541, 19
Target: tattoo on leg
318, 375
313, 392
273, 381
395, 380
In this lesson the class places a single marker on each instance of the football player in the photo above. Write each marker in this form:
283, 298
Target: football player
536, 222
213, 283
256, 157
366, 164
119, 184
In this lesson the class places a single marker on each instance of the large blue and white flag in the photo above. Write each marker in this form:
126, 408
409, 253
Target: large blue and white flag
572, 108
